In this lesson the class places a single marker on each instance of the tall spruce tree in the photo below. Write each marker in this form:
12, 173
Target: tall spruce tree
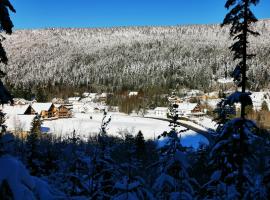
241, 18
6, 26
32, 146
232, 178
140, 146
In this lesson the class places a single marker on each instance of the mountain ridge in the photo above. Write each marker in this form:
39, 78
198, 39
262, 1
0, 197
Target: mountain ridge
130, 57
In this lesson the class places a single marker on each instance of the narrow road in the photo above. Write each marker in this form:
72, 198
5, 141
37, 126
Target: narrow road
189, 125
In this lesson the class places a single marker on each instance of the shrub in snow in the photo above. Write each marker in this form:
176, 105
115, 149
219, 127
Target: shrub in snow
130, 185
173, 181
232, 166
132, 189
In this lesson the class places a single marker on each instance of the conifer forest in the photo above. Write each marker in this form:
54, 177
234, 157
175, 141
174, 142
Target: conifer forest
135, 112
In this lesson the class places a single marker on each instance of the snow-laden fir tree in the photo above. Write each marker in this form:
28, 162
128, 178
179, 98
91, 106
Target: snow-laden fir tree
103, 171
15, 181
227, 181
75, 167
173, 180
33, 151
6, 26
131, 186
231, 154
140, 146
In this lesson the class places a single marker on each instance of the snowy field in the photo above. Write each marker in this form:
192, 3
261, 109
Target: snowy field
120, 123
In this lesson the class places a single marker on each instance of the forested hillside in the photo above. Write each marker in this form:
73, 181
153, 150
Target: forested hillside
130, 57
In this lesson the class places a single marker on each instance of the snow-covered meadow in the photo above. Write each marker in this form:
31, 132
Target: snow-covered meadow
89, 124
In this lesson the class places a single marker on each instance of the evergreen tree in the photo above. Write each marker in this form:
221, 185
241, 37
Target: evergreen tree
224, 113
2, 131
5, 25
76, 166
235, 137
173, 181
5, 191
227, 180
130, 185
140, 145
240, 17
103, 171
33, 156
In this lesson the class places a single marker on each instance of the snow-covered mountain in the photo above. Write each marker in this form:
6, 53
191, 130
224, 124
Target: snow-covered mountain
131, 56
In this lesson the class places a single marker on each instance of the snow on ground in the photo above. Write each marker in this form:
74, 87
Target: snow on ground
19, 122
191, 138
205, 122
151, 128
22, 184
225, 80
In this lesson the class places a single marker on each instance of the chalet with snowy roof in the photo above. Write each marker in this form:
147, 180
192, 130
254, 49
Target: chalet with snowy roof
14, 110
187, 108
62, 111
45, 110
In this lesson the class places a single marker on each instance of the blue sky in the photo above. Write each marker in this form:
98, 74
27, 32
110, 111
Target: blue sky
108, 13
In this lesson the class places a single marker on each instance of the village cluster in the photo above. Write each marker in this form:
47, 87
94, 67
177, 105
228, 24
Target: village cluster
193, 106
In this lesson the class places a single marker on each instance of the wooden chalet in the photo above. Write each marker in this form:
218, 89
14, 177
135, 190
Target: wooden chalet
45, 110
63, 111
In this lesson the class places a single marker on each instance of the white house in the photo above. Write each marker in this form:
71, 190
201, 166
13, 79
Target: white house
92, 95
258, 98
130, 94
73, 99
187, 108
161, 111
85, 94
